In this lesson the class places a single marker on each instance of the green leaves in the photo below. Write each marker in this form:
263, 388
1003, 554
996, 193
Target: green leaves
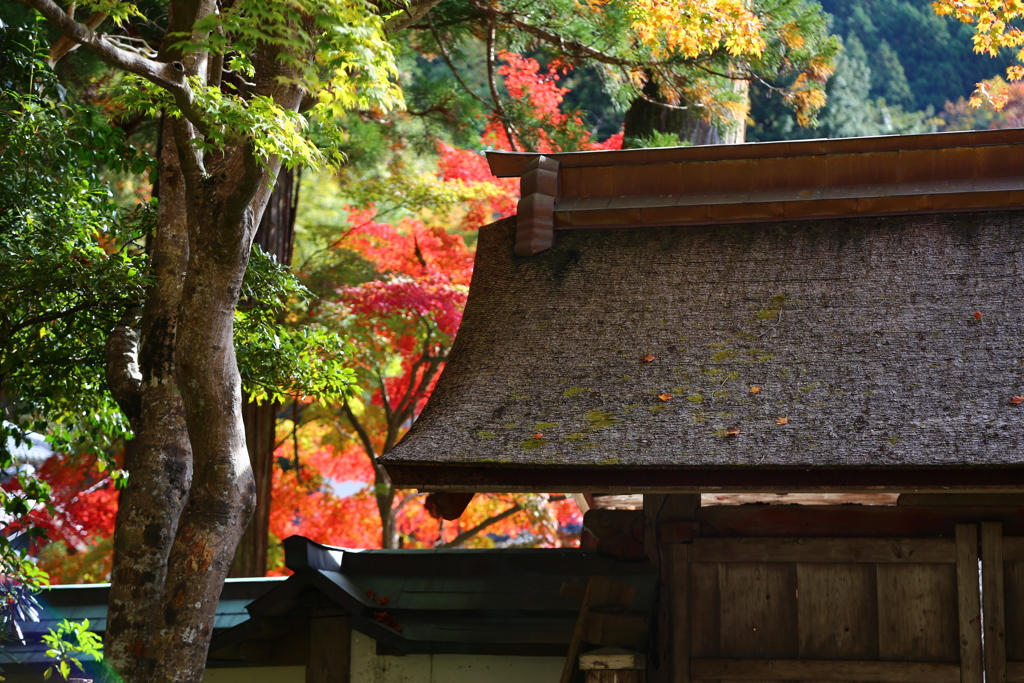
66, 652
334, 51
71, 261
117, 10
281, 357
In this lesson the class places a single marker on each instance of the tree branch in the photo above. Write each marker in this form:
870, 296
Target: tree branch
470, 533
169, 76
573, 47
364, 436
409, 15
451, 64
64, 45
498, 108
56, 315
124, 377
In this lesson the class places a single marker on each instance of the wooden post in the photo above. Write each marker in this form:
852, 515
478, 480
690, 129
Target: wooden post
994, 601
968, 603
330, 644
678, 565
671, 639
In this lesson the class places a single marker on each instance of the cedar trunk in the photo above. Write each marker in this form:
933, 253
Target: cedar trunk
276, 236
647, 116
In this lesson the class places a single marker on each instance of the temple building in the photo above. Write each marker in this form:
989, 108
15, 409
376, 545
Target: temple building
826, 317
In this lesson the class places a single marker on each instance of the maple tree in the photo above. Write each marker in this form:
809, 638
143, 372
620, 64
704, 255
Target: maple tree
230, 82
996, 26
1007, 110
402, 321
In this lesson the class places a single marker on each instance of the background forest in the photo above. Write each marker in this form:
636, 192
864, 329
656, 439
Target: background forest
368, 266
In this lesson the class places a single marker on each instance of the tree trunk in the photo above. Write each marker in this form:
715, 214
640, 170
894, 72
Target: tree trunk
159, 458
222, 219
645, 118
191, 490
260, 436
276, 236
385, 495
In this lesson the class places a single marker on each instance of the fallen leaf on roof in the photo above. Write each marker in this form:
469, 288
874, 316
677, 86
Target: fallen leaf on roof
755, 390
648, 358
538, 435
385, 600
732, 432
665, 397
978, 315
782, 421
1017, 400
387, 620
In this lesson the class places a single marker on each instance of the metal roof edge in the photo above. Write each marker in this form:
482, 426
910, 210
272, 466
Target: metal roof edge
510, 164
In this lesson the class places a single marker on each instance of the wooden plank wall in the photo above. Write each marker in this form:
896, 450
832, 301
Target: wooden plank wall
842, 609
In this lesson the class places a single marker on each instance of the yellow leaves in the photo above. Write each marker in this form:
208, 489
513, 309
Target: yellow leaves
819, 70
782, 421
737, 110
806, 96
693, 27
755, 390
993, 93
993, 30
665, 397
792, 36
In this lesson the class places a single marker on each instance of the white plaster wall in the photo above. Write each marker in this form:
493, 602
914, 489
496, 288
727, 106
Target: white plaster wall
367, 667
257, 674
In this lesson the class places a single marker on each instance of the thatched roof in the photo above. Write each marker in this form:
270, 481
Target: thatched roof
846, 352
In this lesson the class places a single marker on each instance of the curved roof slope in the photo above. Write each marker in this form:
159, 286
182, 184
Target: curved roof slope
831, 313
751, 355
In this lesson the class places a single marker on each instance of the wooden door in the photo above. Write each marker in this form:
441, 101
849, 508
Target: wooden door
854, 609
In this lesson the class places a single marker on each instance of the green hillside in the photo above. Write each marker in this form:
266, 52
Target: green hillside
900, 65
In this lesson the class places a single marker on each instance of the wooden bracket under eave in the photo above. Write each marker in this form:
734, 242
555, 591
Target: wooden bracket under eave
535, 213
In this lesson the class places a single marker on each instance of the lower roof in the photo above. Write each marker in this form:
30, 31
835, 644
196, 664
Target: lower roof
499, 601
89, 602
853, 353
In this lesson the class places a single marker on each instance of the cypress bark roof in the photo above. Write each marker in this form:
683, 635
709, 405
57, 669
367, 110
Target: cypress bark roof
847, 352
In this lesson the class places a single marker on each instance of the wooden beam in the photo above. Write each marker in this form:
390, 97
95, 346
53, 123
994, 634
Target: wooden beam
873, 550
850, 521
330, 645
1013, 549
993, 600
1015, 672
511, 164
961, 499
820, 669
968, 603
